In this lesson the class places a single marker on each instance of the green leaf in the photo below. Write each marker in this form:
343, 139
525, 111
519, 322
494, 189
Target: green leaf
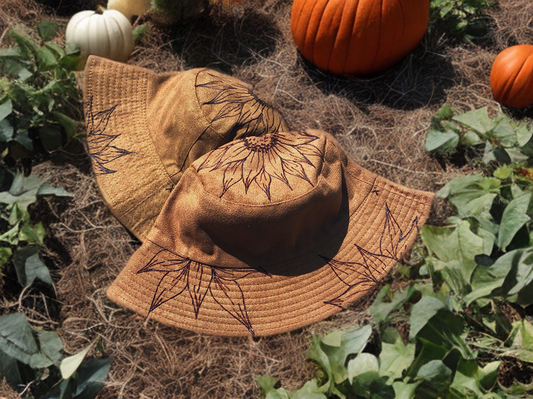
422, 312
317, 354
403, 390
441, 141
395, 358
456, 247
36, 269
69, 365
279, 393
9, 52
90, 378
502, 275
32, 234
381, 310
17, 341
51, 345
435, 378
523, 134
427, 351
266, 383
5, 255
6, 131
370, 385
522, 345
20, 258
47, 189
462, 190
47, 58
47, 30
514, 217
466, 386
27, 45
361, 364
351, 343
477, 120
71, 126
504, 133
5, 109
9, 369
503, 172
310, 390
488, 375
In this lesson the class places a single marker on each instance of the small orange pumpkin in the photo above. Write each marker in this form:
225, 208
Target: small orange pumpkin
511, 76
353, 37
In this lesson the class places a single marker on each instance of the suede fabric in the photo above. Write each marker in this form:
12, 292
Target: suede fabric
144, 129
267, 234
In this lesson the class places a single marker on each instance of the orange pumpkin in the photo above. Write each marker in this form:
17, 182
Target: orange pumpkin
353, 37
511, 76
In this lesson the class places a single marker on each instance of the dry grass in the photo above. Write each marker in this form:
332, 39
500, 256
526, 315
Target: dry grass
382, 121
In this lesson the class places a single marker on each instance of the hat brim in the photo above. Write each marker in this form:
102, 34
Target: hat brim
366, 241
128, 171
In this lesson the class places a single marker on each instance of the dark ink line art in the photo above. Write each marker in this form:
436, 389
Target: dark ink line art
183, 276
238, 102
100, 143
260, 159
372, 265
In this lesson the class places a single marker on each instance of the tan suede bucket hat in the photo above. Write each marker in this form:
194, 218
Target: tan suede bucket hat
145, 128
268, 234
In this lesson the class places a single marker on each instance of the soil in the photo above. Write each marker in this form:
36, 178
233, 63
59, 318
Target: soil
380, 120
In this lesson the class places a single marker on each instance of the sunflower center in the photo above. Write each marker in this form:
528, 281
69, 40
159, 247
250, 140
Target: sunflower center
260, 143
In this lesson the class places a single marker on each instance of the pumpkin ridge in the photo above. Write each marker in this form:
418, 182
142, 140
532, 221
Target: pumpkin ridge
507, 87
296, 26
308, 39
352, 23
380, 37
315, 47
331, 45
520, 79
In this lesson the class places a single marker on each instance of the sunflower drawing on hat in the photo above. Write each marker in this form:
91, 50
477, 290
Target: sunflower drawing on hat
237, 102
259, 159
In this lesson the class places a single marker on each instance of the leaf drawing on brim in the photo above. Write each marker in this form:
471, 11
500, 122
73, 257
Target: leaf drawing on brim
371, 265
100, 143
184, 277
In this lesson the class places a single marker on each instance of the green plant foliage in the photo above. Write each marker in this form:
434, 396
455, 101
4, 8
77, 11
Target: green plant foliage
481, 261
171, 12
23, 348
39, 99
21, 240
460, 18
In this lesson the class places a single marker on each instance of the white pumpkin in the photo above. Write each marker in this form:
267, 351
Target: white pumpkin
129, 7
106, 33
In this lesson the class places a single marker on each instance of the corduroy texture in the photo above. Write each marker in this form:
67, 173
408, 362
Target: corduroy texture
268, 234
144, 129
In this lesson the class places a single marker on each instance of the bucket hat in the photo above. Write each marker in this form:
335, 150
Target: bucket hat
145, 128
268, 234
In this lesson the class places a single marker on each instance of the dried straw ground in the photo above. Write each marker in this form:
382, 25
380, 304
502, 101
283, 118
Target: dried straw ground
382, 121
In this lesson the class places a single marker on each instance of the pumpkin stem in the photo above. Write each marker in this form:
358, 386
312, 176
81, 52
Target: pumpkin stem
100, 9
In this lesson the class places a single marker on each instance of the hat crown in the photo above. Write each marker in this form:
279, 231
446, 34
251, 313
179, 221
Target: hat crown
261, 170
255, 199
